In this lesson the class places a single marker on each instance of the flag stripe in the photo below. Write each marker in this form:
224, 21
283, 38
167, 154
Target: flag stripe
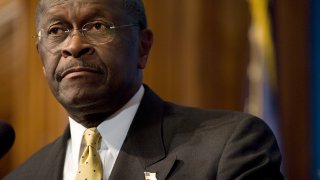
315, 75
262, 72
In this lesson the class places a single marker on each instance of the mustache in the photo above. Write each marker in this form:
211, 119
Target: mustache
80, 64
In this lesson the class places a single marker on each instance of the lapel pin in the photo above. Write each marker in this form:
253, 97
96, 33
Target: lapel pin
150, 176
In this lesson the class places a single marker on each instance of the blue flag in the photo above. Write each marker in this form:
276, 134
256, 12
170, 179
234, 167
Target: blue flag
315, 74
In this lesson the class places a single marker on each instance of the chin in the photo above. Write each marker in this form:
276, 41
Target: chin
79, 100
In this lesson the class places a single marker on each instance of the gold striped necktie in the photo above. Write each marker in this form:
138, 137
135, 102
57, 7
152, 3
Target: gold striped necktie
90, 166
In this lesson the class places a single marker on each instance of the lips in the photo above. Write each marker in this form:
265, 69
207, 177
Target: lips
79, 71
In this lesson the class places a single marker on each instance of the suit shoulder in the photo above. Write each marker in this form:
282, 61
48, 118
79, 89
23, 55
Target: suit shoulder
211, 116
214, 124
39, 160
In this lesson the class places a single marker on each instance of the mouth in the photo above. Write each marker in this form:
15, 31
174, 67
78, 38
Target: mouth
78, 71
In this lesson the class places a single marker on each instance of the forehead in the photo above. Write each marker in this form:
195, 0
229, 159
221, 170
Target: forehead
78, 9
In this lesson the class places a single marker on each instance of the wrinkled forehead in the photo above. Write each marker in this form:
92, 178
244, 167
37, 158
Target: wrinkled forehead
77, 9
57, 2
49, 3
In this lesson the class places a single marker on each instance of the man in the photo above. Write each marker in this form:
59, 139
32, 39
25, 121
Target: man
93, 54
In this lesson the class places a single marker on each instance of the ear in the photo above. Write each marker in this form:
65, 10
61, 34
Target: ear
146, 40
37, 41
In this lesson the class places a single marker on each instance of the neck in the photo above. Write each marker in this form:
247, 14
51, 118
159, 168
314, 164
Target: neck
92, 120
93, 116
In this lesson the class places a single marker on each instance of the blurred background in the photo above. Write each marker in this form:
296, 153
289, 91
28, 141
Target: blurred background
242, 55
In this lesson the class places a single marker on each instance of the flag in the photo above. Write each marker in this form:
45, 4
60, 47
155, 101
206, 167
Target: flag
315, 90
261, 100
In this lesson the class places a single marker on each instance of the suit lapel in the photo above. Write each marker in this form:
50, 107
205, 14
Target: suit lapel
163, 167
143, 149
55, 162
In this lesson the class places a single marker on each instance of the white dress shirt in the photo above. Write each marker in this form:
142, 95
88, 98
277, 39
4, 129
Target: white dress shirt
113, 132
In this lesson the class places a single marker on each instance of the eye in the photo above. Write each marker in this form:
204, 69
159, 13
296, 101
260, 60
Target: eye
57, 31
97, 27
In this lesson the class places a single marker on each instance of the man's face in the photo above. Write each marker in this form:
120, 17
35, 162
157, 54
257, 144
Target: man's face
87, 77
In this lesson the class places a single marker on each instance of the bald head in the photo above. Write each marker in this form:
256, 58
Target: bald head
134, 8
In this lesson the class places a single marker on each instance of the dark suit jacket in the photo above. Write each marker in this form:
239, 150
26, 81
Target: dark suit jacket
177, 143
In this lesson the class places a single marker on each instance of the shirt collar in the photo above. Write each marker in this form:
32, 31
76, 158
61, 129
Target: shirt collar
113, 130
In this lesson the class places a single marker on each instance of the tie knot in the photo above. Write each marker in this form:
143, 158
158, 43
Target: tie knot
92, 137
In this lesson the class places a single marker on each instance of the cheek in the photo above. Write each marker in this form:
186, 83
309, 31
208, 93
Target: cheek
49, 63
119, 59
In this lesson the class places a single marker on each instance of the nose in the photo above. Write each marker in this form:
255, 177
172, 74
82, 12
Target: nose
76, 47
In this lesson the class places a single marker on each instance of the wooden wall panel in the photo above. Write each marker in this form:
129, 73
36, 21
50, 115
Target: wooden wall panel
199, 58
6, 85
200, 51
292, 37
30, 107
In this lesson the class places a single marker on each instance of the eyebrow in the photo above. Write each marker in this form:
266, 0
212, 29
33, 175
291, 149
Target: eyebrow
53, 20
